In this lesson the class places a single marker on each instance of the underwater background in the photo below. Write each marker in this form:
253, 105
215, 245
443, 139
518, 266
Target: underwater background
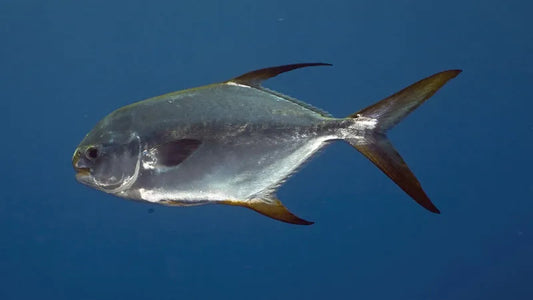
66, 64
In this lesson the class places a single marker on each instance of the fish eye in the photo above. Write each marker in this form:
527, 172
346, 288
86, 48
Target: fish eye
92, 153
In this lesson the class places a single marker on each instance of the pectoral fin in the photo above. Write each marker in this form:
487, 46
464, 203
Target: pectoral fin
175, 152
272, 208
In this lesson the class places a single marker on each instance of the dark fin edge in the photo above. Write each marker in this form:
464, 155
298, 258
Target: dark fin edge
254, 78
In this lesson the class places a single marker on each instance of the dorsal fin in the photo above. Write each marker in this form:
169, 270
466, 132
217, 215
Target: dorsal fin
254, 78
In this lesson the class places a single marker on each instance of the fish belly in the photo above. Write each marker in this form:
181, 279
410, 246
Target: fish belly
237, 169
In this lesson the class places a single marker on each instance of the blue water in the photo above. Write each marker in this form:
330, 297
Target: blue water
64, 65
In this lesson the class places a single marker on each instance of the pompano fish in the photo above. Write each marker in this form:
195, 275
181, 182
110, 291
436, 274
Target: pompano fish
236, 142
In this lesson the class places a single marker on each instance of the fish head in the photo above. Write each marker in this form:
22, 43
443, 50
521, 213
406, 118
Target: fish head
108, 160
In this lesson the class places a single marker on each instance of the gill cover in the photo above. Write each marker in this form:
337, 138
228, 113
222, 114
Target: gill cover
116, 165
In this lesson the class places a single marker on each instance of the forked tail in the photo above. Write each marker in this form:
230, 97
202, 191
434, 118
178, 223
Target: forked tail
387, 113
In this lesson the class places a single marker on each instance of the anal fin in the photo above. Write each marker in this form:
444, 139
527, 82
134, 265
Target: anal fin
272, 208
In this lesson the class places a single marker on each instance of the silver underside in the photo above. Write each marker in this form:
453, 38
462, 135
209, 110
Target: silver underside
219, 172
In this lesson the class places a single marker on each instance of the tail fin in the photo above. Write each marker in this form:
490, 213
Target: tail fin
389, 112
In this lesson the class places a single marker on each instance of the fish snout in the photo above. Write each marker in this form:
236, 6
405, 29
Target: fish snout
79, 166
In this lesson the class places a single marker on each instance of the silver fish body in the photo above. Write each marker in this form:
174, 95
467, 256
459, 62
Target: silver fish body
232, 143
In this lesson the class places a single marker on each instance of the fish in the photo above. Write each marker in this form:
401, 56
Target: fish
236, 142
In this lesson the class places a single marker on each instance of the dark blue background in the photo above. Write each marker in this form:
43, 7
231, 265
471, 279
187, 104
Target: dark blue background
64, 65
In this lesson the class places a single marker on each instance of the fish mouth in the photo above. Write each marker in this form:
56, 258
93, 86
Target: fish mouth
83, 175
80, 171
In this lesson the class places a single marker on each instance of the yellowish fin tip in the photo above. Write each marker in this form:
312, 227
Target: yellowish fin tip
272, 208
